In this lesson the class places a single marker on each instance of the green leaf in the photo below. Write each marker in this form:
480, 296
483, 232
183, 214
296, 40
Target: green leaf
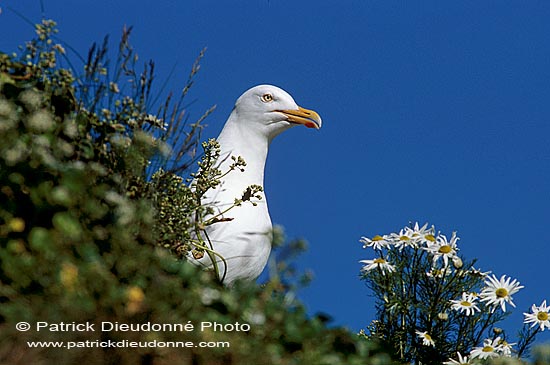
39, 238
68, 225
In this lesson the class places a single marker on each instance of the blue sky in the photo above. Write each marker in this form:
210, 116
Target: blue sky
432, 111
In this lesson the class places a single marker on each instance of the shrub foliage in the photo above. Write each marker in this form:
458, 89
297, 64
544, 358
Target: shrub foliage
97, 215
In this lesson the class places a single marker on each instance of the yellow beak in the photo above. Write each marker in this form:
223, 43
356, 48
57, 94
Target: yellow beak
304, 116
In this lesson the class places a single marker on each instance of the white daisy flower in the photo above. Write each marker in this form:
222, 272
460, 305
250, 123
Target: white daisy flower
499, 291
443, 248
487, 351
422, 235
377, 242
539, 316
466, 304
380, 263
504, 348
426, 338
404, 239
461, 360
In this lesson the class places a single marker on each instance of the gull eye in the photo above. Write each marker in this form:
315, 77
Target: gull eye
266, 98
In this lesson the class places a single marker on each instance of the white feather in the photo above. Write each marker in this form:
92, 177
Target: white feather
245, 241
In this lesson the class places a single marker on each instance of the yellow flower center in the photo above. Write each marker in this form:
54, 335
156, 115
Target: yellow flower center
379, 261
501, 293
430, 237
445, 249
428, 337
404, 238
488, 349
465, 303
377, 238
542, 316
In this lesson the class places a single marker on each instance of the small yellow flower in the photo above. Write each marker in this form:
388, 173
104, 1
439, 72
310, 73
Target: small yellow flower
135, 294
68, 275
17, 225
135, 297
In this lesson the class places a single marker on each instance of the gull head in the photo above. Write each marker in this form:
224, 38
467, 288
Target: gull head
271, 110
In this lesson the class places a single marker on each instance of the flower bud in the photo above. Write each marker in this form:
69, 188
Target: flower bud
457, 262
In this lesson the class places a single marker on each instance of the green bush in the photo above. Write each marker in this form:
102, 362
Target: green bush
434, 307
95, 220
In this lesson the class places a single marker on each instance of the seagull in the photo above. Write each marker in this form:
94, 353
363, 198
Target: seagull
242, 235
